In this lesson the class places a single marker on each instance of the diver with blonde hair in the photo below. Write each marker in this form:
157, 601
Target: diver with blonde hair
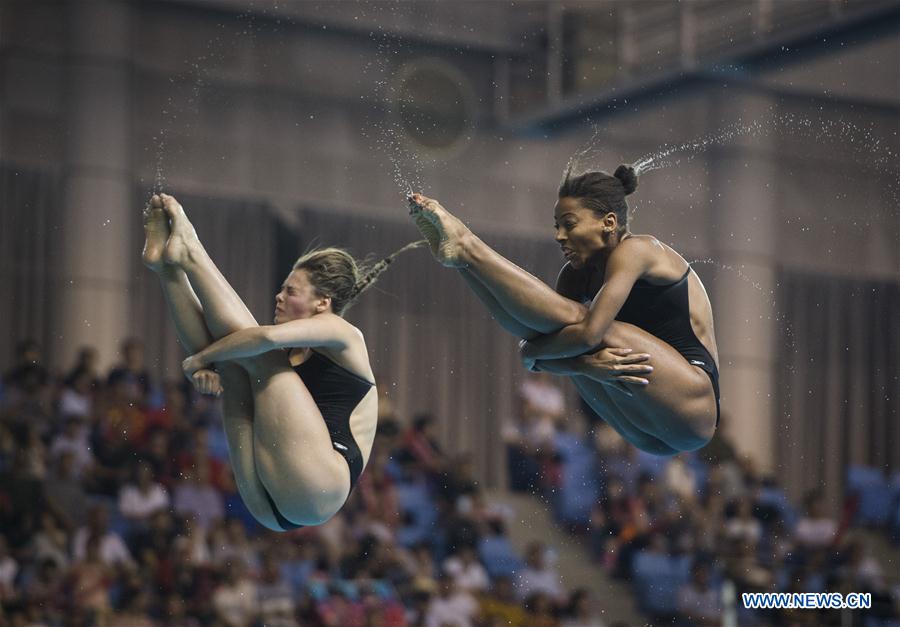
300, 404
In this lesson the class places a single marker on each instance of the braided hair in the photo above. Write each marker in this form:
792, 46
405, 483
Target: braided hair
334, 273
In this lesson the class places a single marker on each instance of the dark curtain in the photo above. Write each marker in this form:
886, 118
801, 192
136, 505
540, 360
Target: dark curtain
28, 199
840, 380
433, 345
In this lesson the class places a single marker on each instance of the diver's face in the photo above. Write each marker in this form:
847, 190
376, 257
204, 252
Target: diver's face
579, 232
297, 298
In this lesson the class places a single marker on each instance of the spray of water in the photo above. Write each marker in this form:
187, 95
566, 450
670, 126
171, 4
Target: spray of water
387, 132
768, 293
197, 74
862, 145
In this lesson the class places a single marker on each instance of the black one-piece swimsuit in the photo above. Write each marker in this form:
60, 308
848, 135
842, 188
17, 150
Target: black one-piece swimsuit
664, 311
337, 392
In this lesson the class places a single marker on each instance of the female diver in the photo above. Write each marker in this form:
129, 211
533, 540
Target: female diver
616, 290
297, 443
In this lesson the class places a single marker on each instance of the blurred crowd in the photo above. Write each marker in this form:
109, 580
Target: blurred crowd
118, 507
690, 533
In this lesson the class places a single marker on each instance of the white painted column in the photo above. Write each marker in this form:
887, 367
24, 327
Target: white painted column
743, 219
95, 220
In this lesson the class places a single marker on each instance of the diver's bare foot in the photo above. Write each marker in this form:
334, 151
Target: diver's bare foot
183, 238
446, 235
426, 228
156, 229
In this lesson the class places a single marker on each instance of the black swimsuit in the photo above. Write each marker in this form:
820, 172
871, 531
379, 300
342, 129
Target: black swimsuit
664, 311
337, 392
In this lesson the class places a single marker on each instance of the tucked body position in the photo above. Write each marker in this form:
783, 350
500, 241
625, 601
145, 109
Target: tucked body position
299, 397
629, 321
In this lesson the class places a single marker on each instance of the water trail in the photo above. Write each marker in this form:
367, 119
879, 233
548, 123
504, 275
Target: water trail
769, 294
197, 74
386, 132
862, 145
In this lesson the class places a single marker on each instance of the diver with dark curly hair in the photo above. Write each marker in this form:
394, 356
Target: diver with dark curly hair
629, 322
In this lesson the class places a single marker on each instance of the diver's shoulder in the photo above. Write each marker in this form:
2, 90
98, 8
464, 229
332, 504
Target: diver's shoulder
640, 245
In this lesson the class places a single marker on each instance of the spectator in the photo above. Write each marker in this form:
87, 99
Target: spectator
90, 579
195, 496
45, 588
35, 453
134, 612
131, 369
85, 363
466, 571
451, 607
420, 444
698, 602
235, 545
194, 540
9, 568
376, 488
75, 439
680, 478
157, 453
77, 397
815, 530
111, 549
197, 455
541, 610
173, 412
579, 613
500, 606
153, 542
236, 600
858, 564
175, 612
743, 526
49, 542
141, 499
538, 576
65, 494
28, 374
276, 602
121, 425
543, 407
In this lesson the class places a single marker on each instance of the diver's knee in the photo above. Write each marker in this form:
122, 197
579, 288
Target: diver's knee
655, 447
615, 335
699, 435
577, 313
311, 507
309, 502
694, 434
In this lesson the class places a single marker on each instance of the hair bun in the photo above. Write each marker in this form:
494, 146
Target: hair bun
628, 177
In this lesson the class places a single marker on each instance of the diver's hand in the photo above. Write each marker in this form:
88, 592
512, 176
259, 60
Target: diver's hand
207, 381
618, 366
192, 364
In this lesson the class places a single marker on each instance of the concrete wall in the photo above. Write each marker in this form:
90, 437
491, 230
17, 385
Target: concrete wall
293, 113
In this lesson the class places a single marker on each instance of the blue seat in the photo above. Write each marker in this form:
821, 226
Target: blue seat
415, 501
575, 504
874, 505
580, 484
657, 579
296, 573
859, 476
873, 493
653, 465
778, 499
498, 556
